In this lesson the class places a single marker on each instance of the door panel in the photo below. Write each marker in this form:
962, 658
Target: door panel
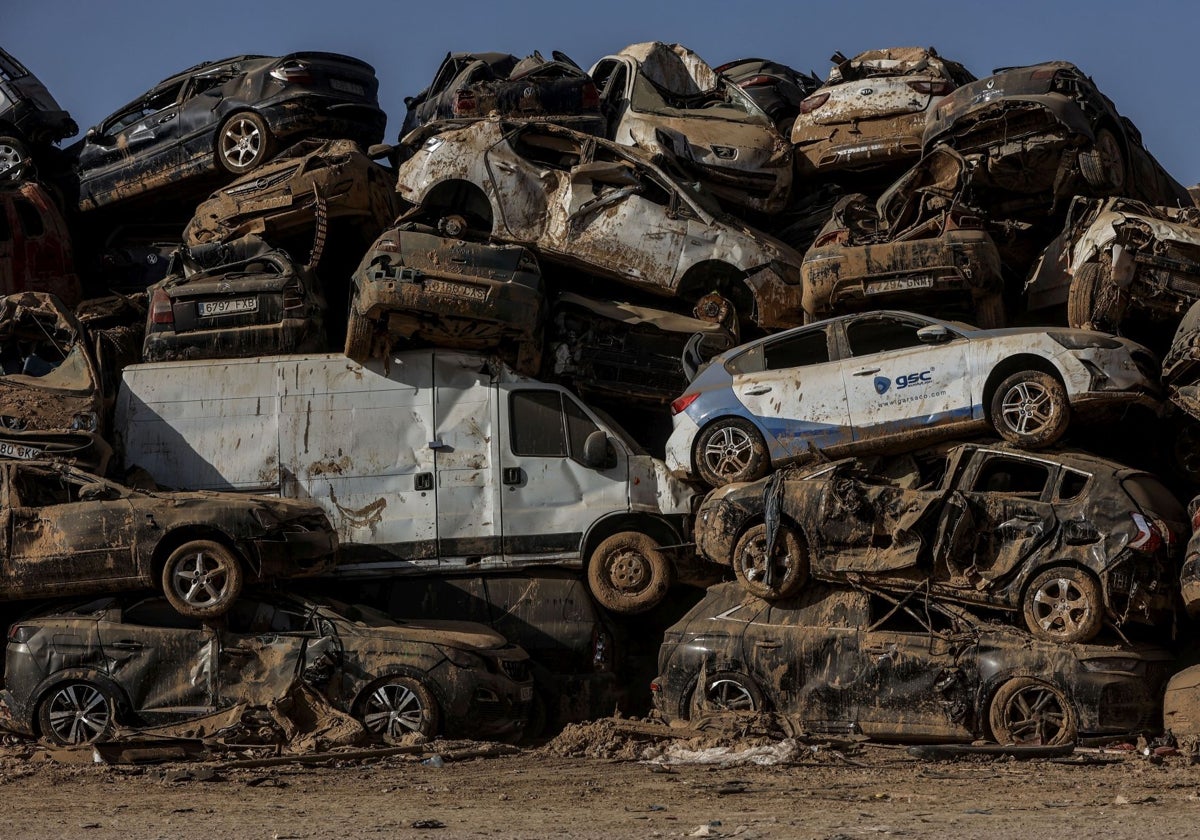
907, 686
165, 671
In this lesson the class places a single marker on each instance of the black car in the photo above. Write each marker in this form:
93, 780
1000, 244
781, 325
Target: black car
774, 87
225, 116
30, 119
849, 661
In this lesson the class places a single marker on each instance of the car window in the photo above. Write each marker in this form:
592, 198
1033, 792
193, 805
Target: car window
806, 348
552, 150
882, 334
43, 488
1071, 484
914, 615
157, 612
152, 104
579, 426
1013, 477
536, 424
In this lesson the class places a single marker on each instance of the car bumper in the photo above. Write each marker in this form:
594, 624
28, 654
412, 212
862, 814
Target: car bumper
1138, 591
778, 301
411, 308
292, 335
296, 553
718, 526
485, 705
678, 455
322, 115
822, 148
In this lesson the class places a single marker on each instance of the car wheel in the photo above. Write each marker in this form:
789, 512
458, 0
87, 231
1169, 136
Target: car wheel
989, 312
628, 573
399, 706
725, 691
731, 450
1063, 604
76, 713
360, 332
243, 142
1103, 163
1030, 409
1030, 712
788, 563
202, 579
1093, 303
14, 159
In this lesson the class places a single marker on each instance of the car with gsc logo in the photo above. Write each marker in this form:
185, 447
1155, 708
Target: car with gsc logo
895, 379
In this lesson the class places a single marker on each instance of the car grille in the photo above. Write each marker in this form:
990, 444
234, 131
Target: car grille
516, 669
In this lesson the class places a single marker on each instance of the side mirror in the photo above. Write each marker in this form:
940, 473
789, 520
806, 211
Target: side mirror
595, 450
934, 334
94, 136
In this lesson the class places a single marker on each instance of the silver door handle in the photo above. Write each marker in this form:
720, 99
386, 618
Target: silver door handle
758, 389
866, 372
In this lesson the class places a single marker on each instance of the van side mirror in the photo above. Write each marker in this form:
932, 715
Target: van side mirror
934, 334
595, 450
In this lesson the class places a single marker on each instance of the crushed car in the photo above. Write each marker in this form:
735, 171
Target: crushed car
895, 379
36, 251
135, 661
851, 662
31, 121
1066, 540
774, 87
666, 101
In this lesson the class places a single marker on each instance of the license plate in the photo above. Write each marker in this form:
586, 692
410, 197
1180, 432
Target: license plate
347, 87
445, 287
899, 285
270, 203
209, 308
19, 450
526, 693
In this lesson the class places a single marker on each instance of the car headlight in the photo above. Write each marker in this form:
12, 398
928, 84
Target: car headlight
463, 659
1084, 340
1113, 664
265, 518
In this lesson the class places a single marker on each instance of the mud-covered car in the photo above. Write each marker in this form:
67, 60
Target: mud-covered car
135, 662
1046, 129
851, 662
36, 252
1067, 540
919, 246
473, 85
774, 87
872, 109
594, 205
1181, 365
73, 533
231, 300
134, 257
885, 379
665, 100
31, 121
415, 283
225, 116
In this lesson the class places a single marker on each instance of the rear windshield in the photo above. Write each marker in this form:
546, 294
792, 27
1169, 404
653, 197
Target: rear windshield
1153, 498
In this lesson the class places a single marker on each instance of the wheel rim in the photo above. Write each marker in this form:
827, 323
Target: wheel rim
728, 451
1034, 715
730, 696
241, 142
79, 713
393, 710
754, 560
201, 579
1110, 156
1028, 407
628, 571
10, 160
1060, 607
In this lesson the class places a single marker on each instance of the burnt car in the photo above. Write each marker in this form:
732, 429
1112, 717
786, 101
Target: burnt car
312, 182
593, 205
416, 284
227, 116
1047, 130
1067, 540
469, 86
73, 533
774, 87
134, 662
872, 109
903, 668
235, 299
666, 101
36, 252
30, 120
920, 244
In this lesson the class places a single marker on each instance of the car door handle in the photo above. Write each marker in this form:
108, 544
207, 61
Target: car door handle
768, 644
758, 389
167, 118
128, 644
435, 445
512, 475
866, 372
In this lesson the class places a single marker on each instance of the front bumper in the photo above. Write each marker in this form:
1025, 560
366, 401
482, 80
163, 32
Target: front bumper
485, 705
296, 553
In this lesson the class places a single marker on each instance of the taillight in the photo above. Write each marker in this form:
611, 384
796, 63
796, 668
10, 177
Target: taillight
20, 634
1149, 538
464, 103
591, 97
834, 236
681, 403
161, 311
813, 102
655, 687
757, 81
293, 73
933, 87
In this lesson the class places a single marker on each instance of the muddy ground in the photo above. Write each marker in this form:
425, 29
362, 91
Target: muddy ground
590, 782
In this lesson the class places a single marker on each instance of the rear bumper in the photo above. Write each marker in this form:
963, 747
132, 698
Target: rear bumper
326, 116
874, 142
678, 455
292, 335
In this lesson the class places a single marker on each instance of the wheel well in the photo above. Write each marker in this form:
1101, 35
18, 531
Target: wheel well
659, 530
1061, 564
731, 666
460, 196
1011, 365
411, 673
186, 534
709, 423
121, 705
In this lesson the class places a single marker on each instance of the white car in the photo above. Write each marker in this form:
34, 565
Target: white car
896, 380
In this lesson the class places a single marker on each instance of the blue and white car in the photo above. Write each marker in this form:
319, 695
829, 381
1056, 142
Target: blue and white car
886, 379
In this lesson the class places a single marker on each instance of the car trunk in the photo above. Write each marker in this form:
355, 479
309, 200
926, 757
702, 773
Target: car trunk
871, 98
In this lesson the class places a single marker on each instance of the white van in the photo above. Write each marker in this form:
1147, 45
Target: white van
424, 459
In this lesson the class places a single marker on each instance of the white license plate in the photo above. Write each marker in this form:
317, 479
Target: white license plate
445, 287
270, 203
209, 308
18, 450
899, 285
526, 693
347, 87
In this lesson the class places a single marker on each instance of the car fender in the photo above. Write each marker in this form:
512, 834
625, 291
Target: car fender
120, 699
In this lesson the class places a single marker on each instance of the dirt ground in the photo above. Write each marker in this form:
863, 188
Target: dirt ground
591, 782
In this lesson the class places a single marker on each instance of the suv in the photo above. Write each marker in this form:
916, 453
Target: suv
30, 119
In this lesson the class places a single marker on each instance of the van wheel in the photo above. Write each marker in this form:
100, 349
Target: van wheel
14, 159
202, 579
628, 573
360, 331
731, 450
1064, 605
788, 563
1030, 409
1029, 712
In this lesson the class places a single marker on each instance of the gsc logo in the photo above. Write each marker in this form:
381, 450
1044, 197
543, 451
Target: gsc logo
882, 383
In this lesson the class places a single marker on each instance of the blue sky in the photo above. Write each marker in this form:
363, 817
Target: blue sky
96, 56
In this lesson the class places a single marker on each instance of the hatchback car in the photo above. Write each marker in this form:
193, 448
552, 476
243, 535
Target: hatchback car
894, 379
849, 662
135, 662
30, 120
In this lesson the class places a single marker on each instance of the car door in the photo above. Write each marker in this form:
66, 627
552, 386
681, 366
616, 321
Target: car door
137, 143
528, 171
266, 645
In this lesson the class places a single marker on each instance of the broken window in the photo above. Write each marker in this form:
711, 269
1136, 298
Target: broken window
41, 488
880, 335
552, 150
1013, 476
810, 348
1071, 484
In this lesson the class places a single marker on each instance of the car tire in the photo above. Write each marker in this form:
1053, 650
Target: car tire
628, 573
14, 159
202, 579
1093, 303
1064, 604
1030, 409
398, 706
725, 691
243, 142
75, 713
1103, 163
1027, 711
790, 562
730, 450
360, 332
990, 313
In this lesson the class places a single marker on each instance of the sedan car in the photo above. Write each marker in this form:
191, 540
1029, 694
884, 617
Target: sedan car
226, 116
30, 120
134, 662
894, 379
852, 662
1067, 540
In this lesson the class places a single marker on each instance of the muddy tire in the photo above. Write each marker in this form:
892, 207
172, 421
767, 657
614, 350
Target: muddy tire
1064, 604
14, 159
1030, 409
243, 142
75, 713
202, 579
628, 573
398, 706
360, 332
990, 313
730, 450
1030, 712
1103, 164
1092, 303
725, 691
789, 563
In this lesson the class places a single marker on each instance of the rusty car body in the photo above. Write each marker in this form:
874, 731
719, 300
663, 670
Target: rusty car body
872, 109
226, 300
134, 661
31, 121
1067, 540
774, 87
227, 116
665, 100
594, 205
417, 284
36, 251
852, 662
1189, 575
